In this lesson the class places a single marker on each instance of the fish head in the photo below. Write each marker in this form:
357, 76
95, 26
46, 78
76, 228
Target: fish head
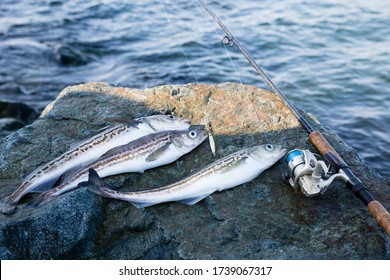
167, 122
189, 139
267, 152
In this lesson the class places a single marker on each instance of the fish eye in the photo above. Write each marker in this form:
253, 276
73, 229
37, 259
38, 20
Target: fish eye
171, 117
192, 134
269, 147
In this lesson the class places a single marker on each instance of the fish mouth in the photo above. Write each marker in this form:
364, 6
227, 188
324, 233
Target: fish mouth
205, 136
283, 152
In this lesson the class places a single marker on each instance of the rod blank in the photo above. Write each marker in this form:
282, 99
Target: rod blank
376, 209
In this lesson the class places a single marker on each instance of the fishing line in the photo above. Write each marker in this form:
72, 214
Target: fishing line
261, 122
352, 182
205, 16
181, 46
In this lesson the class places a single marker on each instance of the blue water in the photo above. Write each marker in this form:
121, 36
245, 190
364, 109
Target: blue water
330, 57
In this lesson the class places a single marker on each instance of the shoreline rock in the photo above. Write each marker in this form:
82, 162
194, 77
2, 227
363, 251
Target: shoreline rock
263, 219
14, 116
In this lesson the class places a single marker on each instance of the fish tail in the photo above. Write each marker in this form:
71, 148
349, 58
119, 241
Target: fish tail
8, 205
95, 184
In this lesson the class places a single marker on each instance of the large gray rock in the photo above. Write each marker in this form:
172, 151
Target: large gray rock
18, 111
14, 116
263, 219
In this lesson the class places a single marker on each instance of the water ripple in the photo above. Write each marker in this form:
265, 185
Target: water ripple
330, 57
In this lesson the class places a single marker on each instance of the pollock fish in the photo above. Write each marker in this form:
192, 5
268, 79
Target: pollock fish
228, 172
44, 177
144, 153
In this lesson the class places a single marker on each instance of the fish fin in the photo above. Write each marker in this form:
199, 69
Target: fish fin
104, 128
41, 199
70, 173
158, 153
75, 144
24, 177
82, 141
8, 205
45, 186
193, 200
142, 205
95, 184
235, 164
48, 184
132, 123
116, 150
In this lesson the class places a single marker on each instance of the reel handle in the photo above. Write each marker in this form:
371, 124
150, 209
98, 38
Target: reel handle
380, 214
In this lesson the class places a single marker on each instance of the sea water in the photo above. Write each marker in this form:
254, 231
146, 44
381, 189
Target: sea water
330, 57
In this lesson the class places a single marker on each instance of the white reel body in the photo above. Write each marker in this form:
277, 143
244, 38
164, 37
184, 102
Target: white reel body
308, 174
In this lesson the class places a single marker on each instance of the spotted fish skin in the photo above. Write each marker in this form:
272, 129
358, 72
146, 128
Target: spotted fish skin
228, 172
147, 152
46, 175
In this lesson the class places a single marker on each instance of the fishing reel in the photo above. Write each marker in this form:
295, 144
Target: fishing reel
309, 174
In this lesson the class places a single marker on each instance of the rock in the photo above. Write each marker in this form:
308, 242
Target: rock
9, 125
64, 229
69, 56
263, 219
14, 116
19, 111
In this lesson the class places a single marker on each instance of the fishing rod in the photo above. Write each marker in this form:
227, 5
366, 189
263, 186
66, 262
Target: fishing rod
358, 188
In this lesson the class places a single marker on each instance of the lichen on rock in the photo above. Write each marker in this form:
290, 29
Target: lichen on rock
263, 219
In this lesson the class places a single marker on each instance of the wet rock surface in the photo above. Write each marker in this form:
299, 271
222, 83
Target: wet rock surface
14, 116
263, 219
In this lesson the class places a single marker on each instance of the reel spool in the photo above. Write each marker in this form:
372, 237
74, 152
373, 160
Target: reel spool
308, 174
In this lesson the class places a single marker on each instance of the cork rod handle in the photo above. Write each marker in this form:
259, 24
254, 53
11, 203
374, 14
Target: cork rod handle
381, 215
322, 144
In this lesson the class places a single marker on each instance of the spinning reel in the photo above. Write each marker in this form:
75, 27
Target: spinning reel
309, 174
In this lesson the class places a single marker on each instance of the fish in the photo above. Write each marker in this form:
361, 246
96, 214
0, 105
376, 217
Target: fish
233, 170
46, 175
147, 152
